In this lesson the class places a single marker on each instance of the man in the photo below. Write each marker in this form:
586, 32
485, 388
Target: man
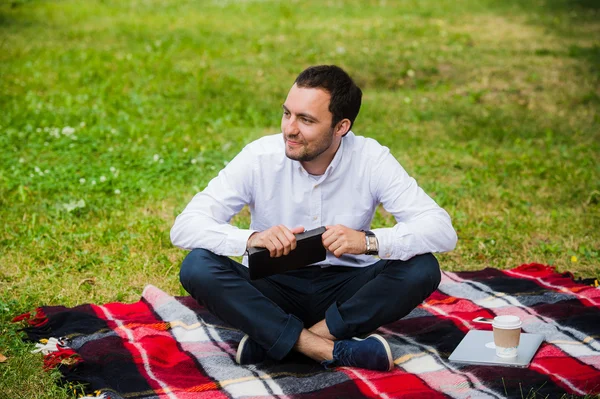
316, 173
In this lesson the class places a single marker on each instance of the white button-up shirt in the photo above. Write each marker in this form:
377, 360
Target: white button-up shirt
362, 175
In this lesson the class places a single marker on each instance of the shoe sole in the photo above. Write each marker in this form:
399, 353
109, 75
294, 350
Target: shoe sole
238, 355
388, 351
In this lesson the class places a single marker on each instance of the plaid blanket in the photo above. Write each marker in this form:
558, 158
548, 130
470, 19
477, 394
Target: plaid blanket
170, 347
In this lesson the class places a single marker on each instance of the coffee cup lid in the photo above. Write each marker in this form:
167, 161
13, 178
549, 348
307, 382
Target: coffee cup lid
507, 322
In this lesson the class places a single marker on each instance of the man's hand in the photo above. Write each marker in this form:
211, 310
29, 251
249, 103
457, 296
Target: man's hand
341, 240
279, 240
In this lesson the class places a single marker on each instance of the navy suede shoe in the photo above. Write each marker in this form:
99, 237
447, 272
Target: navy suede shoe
249, 352
371, 353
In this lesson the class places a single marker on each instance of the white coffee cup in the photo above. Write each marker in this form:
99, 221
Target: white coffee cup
507, 333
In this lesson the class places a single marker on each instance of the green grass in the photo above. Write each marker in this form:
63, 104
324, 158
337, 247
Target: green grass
491, 106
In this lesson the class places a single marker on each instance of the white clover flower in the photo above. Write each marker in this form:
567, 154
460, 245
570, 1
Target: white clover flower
407, 100
102, 179
156, 157
31, 175
225, 163
46, 171
117, 191
113, 131
185, 150
21, 160
68, 131
37, 169
410, 73
113, 169
161, 160
82, 124
82, 180
93, 182
54, 132
193, 161
110, 149
71, 206
38, 130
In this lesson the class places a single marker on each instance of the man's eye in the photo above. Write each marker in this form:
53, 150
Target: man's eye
306, 120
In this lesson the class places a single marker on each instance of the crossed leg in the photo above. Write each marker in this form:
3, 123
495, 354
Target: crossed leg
363, 300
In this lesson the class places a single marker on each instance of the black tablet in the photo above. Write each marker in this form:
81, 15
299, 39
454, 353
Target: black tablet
309, 250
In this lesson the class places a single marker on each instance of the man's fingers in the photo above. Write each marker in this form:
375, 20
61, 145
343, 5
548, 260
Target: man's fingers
279, 240
327, 241
287, 239
269, 245
283, 240
297, 230
287, 234
277, 247
330, 233
337, 249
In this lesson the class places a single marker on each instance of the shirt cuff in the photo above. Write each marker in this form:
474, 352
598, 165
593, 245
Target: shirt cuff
237, 240
388, 245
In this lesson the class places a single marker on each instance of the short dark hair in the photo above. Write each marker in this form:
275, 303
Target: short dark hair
346, 96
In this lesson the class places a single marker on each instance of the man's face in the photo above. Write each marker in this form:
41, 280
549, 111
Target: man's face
306, 123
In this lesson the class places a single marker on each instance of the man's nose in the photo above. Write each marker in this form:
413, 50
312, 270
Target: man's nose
290, 126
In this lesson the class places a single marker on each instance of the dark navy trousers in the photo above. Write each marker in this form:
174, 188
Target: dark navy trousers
274, 310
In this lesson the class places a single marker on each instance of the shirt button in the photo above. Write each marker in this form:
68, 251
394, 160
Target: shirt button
315, 217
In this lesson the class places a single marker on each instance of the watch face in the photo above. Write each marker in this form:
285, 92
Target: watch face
373, 245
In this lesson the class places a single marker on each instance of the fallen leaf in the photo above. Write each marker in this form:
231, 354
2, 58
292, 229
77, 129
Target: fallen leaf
90, 281
2, 358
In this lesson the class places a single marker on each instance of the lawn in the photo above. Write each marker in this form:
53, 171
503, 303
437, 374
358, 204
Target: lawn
114, 113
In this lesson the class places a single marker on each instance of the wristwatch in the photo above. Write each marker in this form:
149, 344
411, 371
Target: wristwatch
372, 243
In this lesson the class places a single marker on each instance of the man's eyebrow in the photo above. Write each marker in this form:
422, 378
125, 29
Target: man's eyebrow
302, 115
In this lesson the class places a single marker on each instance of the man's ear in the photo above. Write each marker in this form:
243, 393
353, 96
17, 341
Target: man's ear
342, 127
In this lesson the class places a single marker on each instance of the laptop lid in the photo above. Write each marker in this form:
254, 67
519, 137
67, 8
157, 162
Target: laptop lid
477, 347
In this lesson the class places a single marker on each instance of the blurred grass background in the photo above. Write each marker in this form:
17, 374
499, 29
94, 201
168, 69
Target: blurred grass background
114, 113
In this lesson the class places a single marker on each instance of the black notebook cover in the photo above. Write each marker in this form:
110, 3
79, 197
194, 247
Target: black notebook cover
309, 250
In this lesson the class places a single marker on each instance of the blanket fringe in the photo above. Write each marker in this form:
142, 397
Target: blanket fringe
39, 318
66, 357
56, 353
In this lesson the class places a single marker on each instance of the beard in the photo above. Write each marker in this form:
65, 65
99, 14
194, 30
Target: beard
309, 151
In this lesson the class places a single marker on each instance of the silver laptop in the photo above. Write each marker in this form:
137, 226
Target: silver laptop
477, 347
